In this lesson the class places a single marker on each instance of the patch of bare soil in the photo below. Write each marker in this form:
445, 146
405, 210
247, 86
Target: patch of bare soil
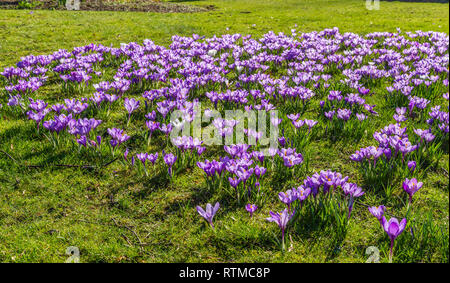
112, 5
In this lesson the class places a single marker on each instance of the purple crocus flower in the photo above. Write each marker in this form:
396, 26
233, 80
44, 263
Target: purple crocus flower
363, 90
251, 208
281, 218
288, 197
302, 194
82, 141
282, 141
412, 165
37, 105
313, 183
166, 129
428, 136
259, 171
209, 213
387, 153
310, 124
244, 174
293, 117
275, 121
152, 157
354, 191
344, 114
378, 212
234, 182
151, 116
361, 116
291, 159
37, 117
15, 101
200, 150
142, 157
111, 98
125, 154
57, 108
99, 140
329, 115
113, 143
206, 167
92, 143
411, 187
117, 136
399, 118
259, 155
393, 228
152, 126
169, 159
131, 105
298, 124
328, 179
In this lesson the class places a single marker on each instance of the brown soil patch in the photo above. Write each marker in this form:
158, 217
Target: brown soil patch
113, 5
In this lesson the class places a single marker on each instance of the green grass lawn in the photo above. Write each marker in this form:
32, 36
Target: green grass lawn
115, 215
42, 32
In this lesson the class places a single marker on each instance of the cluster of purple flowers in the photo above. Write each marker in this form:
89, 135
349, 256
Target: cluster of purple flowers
188, 143
225, 127
325, 179
343, 107
213, 168
305, 70
441, 118
243, 170
58, 124
235, 71
392, 140
300, 123
168, 158
328, 181
117, 137
290, 157
144, 157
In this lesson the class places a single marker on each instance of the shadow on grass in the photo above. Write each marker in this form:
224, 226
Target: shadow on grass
309, 226
152, 184
23, 132
260, 240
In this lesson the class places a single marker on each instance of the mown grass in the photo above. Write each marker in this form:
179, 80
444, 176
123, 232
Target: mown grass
115, 215
43, 32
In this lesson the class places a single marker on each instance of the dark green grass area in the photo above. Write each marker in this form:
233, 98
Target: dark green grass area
114, 214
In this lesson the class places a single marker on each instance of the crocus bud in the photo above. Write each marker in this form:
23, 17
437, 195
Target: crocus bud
387, 153
412, 166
